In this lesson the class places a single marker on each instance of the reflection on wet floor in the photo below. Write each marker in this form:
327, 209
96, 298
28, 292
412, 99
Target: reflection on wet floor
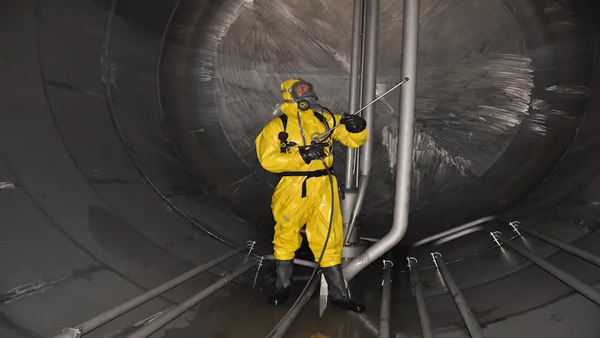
240, 311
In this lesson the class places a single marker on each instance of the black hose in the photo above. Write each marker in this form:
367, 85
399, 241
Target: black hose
276, 329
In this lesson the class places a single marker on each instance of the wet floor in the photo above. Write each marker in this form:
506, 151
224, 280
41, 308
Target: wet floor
243, 312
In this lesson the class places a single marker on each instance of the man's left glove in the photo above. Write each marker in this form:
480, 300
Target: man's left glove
313, 152
353, 123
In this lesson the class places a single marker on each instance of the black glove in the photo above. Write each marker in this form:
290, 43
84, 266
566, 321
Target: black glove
353, 123
313, 152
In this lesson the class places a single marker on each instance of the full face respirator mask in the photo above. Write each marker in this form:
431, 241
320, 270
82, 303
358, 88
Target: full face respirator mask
304, 96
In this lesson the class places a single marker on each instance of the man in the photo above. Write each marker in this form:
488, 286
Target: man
303, 194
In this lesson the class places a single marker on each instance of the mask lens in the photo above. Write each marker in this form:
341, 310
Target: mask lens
301, 89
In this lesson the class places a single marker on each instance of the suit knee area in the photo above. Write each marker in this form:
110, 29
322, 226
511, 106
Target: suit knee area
284, 256
328, 261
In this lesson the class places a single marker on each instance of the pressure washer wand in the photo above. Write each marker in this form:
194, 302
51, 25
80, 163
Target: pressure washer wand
382, 95
325, 134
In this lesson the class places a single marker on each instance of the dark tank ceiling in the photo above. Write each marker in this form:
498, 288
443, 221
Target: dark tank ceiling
501, 88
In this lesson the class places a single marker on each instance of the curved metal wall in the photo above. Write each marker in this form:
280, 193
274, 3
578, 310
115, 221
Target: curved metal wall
126, 159
497, 105
94, 204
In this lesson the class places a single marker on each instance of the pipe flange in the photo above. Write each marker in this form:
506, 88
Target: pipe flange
355, 249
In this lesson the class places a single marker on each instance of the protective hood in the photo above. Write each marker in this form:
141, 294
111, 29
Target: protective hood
286, 89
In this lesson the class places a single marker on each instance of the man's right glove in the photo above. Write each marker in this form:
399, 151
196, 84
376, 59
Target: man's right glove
353, 123
313, 152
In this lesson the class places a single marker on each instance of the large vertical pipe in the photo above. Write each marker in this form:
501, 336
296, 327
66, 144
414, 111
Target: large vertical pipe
465, 312
369, 80
410, 37
417, 288
369, 85
355, 72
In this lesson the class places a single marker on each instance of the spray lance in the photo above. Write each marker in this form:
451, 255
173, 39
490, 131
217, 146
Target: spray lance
318, 138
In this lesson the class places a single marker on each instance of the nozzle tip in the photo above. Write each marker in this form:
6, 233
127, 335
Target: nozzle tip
405, 79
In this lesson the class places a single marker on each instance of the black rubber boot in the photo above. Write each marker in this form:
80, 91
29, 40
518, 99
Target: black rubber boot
338, 294
283, 282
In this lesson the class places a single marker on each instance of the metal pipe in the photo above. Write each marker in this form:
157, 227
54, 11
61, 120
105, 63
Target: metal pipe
386, 299
369, 80
410, 37
453, 230
355, 72
284, 325
370, 239
458, 235
354, 236
117, 311
360, 200
417, 288
357, 162
369, 86
347, 205
562, 245
177, 311
366, 322
465, 312
297, 261
577, 285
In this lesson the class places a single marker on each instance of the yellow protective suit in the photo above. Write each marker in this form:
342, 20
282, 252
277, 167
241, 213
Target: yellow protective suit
290, 210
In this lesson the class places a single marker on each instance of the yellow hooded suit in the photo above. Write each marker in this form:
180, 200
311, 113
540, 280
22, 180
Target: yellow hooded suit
290, 209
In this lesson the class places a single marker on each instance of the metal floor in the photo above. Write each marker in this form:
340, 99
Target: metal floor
126, 159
